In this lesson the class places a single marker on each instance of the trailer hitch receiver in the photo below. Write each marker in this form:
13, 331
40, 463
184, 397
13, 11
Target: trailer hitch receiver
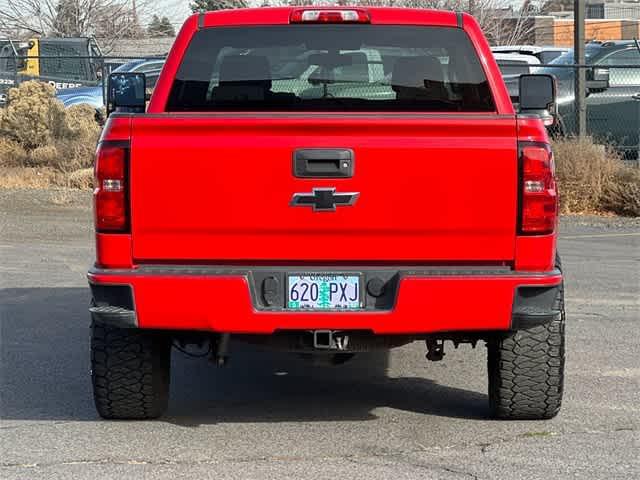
330, 340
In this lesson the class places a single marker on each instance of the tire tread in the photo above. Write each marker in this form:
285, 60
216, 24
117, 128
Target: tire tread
526, 370
130, 372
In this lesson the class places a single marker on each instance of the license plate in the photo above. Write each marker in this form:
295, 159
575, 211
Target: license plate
324, 291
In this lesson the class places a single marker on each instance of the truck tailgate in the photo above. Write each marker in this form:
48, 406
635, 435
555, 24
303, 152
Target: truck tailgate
432, 188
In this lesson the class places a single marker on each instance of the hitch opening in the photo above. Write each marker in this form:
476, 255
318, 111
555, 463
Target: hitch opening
330, 340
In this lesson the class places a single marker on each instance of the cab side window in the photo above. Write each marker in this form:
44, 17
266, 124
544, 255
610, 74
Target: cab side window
624, 76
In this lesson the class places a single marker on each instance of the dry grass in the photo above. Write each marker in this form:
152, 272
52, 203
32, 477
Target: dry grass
44, 156
11, 153
583, 169
82, 179
29, 177
593, 179
622, 195
62, 197
45, 177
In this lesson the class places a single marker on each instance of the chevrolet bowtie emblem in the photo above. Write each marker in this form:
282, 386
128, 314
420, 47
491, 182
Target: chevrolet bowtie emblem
324, 199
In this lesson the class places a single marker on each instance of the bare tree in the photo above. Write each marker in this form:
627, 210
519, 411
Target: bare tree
100, 18
500, 21
512, 26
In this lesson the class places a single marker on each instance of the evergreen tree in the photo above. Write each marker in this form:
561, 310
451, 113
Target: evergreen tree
160, 27
208, 5
167, 28
154, 27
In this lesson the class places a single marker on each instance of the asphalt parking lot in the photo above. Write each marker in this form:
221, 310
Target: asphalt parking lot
272, 416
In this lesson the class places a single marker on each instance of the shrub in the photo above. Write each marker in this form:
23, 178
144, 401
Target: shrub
12, 154
82, 179
75, 154
583, 169
78, 145
80, 122
622, 194
43, 156
592, 178
33, 116
38, 132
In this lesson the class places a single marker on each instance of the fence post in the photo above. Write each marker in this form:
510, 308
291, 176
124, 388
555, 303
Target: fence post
579, 13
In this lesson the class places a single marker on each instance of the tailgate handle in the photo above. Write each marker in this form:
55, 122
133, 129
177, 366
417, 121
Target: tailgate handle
323, 163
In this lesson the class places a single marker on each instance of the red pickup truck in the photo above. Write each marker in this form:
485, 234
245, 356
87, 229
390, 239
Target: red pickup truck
326, 181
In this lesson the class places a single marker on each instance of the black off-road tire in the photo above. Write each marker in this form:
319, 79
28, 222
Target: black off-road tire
526, 370
130, 372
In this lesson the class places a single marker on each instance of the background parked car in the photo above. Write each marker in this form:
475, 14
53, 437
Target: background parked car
512, 65
613, 114
544, 54
65, 63
94, 96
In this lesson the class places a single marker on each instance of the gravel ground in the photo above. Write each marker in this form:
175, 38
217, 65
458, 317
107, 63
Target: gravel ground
269, 415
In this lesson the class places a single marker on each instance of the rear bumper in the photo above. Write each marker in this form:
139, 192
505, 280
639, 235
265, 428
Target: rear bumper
228, 299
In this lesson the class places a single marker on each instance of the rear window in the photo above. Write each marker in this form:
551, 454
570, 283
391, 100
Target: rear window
331, 67
513, 67
550, 55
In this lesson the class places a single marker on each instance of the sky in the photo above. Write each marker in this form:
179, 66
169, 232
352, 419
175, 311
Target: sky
178, 10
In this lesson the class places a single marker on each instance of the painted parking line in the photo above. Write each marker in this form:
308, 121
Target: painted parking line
600, 235
616, 302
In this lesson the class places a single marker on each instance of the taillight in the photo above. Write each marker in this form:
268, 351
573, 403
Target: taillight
539, 194
306, 15
110, 191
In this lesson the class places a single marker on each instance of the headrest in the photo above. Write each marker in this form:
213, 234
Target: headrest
354, 69
245, 69
358, 71
412, 72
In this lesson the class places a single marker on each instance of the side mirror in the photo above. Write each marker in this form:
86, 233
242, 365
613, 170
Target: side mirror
126, 92
538, 96
597, 79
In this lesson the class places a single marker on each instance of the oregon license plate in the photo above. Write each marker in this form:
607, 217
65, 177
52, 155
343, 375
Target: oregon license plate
324, 291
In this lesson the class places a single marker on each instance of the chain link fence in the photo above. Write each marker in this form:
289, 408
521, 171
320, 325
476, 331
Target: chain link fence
613, 113
69, 72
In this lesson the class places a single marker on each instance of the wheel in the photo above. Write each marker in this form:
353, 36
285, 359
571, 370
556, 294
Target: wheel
130, 372
526, 370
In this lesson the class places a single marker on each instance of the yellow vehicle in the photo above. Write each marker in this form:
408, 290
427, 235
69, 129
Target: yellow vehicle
62, 62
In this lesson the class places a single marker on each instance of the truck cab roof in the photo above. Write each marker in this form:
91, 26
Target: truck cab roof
282, 15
